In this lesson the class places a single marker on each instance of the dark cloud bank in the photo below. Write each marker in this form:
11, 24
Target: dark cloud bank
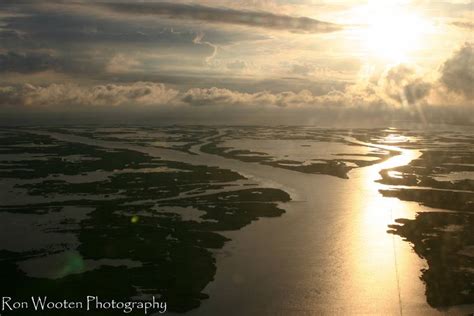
29, 62
223, 16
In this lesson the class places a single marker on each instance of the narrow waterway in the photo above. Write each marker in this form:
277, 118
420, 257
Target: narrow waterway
329, 254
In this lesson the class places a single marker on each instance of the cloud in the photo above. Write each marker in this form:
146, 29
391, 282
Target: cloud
223, 16
356, 103
149, 93
11, 35
303, 69
403, 85
121, 63
400, 92
463, 24
226, 97
399, 86
199, 41
30, 62
353, 96
457, 73
236, 65
67, 95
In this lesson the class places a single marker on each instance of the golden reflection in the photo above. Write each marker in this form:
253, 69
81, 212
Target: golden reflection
379, 259
395, 174
394, 138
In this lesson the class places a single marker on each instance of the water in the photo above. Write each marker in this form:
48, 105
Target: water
329, 254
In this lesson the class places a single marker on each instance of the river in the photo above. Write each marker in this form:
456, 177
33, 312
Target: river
329, 254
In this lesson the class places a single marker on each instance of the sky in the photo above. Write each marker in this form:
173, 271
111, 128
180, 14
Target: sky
238, 62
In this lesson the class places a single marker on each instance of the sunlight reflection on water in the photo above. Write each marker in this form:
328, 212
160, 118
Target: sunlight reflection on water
375, 261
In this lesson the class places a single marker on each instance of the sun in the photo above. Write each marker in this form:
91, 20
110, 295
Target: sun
393, 32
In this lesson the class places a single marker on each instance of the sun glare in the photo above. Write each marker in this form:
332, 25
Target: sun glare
393, 32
